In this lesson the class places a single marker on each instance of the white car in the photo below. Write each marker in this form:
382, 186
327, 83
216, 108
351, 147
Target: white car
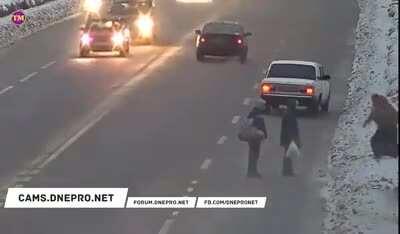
303, 81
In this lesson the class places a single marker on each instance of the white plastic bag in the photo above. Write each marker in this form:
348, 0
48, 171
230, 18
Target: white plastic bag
293, 151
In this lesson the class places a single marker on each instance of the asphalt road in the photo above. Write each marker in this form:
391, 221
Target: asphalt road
149, 122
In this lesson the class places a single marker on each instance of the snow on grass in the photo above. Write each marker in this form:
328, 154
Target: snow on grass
361, 193
38, 18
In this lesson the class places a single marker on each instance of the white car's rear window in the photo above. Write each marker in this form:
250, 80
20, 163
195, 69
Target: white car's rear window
292, 71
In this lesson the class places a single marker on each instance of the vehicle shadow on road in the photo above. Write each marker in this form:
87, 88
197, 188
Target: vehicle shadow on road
300, 113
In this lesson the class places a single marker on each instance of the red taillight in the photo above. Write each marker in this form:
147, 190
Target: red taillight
239, 41
202, 40
309, 91
266, 88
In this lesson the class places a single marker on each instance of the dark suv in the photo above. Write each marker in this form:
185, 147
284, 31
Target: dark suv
222, 39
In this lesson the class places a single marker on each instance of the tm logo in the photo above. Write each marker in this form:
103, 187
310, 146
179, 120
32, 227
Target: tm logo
18, 17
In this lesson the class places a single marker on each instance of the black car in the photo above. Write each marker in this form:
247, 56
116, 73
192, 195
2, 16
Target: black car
222, 39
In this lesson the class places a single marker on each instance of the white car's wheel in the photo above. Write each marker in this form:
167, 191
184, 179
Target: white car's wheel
325, 106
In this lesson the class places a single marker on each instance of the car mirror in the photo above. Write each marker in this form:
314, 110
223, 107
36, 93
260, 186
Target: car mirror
326, 77
248, 34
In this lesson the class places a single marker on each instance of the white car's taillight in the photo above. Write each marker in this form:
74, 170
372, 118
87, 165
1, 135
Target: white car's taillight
266, 88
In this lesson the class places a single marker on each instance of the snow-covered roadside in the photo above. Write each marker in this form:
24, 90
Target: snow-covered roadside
38, 18
360, 196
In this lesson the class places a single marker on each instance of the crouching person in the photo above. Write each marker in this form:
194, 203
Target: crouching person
384, 142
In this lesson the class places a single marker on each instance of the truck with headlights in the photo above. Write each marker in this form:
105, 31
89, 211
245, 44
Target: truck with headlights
139, 16
306, 82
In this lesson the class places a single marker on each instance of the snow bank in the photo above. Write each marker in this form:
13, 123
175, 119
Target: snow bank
8, 6
38, 18
361, 193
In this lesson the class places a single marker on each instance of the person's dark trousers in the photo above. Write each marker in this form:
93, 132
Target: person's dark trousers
287, 165
254, 155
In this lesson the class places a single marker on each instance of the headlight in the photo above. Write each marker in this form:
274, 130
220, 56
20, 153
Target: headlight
92, 5
145, 25
86, 39
118, 38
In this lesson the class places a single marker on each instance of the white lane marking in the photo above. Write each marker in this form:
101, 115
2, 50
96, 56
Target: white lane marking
47, 65
19, 186
247, 101
106, 106
256, 85
175, 213
206, 164
5, 90
24, 179
236, 119
34, 172
190, 189
72, 140
166, 226
29, 172
222, 140
28, 77
194, 182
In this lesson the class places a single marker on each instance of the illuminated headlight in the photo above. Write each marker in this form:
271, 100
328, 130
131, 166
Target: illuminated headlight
86, 39
127, 33
92, 5
145, 25
118, 38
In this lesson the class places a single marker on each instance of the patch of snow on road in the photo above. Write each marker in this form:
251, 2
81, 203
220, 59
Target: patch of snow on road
361, 193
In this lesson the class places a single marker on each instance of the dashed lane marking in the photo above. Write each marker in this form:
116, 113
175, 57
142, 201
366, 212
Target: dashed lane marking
29, 172
5, 90
190, 189
256, 85
28, 77
236, 119
73, 139
47, 65
175, 213
166, 226
104, 108
247, 101
206, 164
19, 186
222, 140
194, 182
24, 179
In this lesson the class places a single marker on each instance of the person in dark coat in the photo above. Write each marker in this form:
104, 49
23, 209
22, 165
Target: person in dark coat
384, 142
289, 133
254, 146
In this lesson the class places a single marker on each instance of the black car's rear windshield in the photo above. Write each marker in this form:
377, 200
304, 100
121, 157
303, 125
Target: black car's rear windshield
292, 71
222, 28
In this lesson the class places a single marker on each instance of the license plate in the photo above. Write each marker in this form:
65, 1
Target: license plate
287, 88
